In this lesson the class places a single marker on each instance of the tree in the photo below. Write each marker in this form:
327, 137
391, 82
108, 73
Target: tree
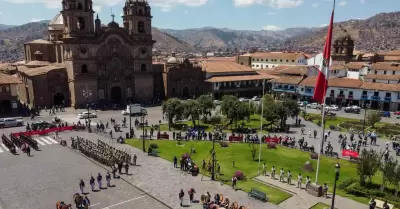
191, 110
278, 111
388, 170
233, 109
372, 118
395, 178
172, 108
206, 105
368, 164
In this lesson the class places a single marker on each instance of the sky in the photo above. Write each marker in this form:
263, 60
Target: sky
234, 14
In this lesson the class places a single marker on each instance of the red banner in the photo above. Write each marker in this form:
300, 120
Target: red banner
44, 132
236, 138
349, 153
273, 140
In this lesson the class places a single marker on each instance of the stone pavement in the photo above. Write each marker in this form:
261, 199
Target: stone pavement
302, 200
157, 177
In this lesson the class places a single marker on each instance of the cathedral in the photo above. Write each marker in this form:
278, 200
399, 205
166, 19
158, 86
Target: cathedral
85, 61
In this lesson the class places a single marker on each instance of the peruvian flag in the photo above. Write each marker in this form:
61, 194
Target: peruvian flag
321, 84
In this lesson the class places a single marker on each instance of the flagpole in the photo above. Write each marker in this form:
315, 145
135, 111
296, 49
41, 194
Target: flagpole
261, 128
323, 110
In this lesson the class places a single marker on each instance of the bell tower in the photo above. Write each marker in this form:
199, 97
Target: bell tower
78, 18
137, 18
343, 48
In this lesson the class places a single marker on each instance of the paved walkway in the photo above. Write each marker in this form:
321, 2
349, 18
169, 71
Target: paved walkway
302, 200
157, 177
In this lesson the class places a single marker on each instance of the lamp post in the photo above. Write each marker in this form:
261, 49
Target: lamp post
215, 135
365, 116
87, 93
130, 122
143, 137
337, 168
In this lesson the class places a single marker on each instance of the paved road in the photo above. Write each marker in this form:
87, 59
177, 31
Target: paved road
53, 174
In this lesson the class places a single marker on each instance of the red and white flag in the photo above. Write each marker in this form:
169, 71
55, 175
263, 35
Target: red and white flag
321, 84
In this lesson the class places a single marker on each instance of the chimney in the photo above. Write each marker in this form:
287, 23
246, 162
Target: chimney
38, 56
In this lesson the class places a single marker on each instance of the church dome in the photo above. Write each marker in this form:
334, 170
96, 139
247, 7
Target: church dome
113, 24
172, 60
57, 23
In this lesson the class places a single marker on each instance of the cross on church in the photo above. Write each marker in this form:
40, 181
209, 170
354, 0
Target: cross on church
112, 15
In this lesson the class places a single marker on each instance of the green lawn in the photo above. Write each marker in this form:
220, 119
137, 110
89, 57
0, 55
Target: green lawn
253, 122
289, 159
320, 205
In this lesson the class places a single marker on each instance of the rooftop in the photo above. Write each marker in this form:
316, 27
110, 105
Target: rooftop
240, 78
344, 82
293, 70
386, 66
288, 80
224, 67
39, 41
382, 77
380, 86
309, 81
8, 79
40, 70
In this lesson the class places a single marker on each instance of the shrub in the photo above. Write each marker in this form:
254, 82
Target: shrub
314, 156
271, 145
346, 183
179, 143
239, 175
224, 144
153, 146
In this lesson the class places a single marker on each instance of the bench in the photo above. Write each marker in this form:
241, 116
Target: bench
153, 153
163, 136
258, 194
379, 204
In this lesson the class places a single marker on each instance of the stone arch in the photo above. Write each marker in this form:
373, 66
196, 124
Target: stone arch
58, 99
80, 6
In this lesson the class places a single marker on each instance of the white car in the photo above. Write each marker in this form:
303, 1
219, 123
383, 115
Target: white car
11, 122
256, 98
241, 99
300, 104
314, 106
85, 115
332, 108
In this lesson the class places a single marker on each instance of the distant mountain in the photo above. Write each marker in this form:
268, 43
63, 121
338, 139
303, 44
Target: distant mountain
380, 32
4, 27
12, 40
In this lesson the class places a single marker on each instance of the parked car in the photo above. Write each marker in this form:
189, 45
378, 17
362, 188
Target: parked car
241, 99
11, 122
352, 109
385, 114
256, 98
85, 115
332, 108
314, 106
397, 113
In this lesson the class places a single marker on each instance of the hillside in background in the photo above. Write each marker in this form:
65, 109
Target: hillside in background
380, 32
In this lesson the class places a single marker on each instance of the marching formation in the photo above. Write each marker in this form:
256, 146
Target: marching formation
101, 152
21, 141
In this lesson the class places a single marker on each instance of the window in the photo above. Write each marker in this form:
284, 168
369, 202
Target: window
254, 59
281, 60
341, 92
287, 60
332, 91
266, 60
4, 89
292, 60
273, 66
393, 72
81, 23
384, 72
100, 93
364, 93
79, 6
141, 27
84, 69
216, 84
143, 67
388, 94
262, 59
376, 93
241, 63
252, 65
262, 67
256, 65
140, 12
376, 72
258, 59
302, 89
350, 93
266, 66
373, 80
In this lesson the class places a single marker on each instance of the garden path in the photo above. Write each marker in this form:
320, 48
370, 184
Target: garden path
302, 200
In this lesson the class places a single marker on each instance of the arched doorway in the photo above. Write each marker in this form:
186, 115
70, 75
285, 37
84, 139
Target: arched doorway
185, 92
116, 94
58, 99
5, 107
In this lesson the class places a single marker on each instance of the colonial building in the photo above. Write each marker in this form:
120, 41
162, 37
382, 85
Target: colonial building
265, 60
95, 62
8, 94
183, 79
